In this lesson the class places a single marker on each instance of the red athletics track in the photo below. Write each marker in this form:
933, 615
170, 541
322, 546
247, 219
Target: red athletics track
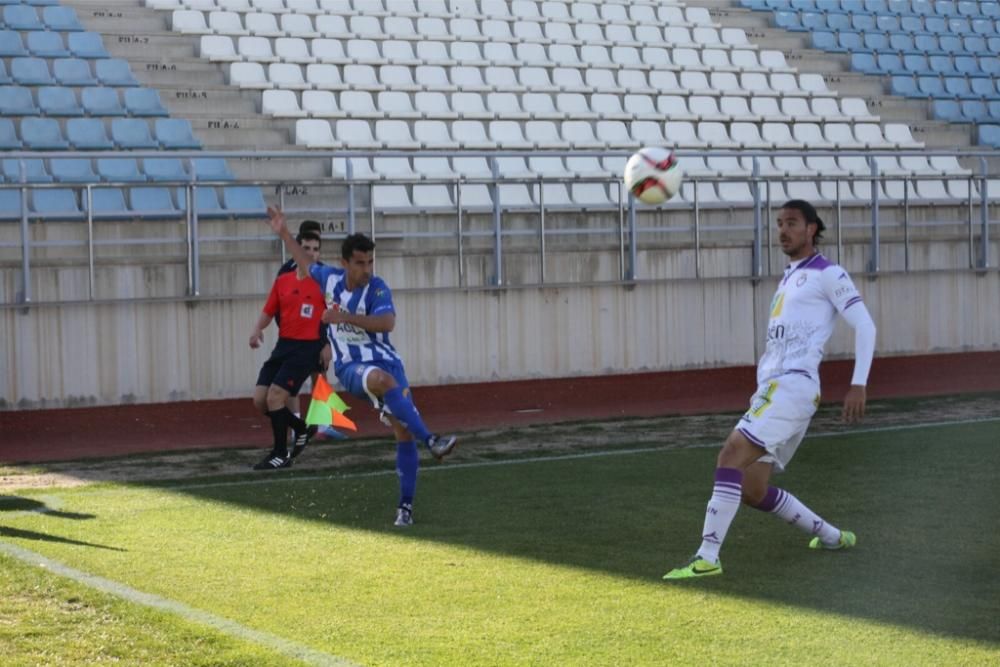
59, 434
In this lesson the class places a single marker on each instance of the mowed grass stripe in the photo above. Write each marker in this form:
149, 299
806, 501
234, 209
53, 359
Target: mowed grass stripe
452, 466
224, 625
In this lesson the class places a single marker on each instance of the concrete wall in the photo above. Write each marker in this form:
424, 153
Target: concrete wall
93, 354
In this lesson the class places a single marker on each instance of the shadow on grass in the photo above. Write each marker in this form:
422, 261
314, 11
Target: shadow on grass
19, 504
925, 521
44, 537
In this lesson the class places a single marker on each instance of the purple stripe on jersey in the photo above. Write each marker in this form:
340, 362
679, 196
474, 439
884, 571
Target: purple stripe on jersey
853, 301
799, 371
751, 437
770, 500
817, 262
729, 476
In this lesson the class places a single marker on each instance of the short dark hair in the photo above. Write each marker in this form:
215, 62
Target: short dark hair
808, 212
356, 242
309, 236
308, 226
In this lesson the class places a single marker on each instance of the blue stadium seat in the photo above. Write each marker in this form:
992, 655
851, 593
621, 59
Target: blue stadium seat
813, 21
206, 201
10, 204
101, 101
989, 135
11, 45
108, 203
176, 133
946, 8
788, 21
114, 72
34, 171
37, 3
73, 72
922, 7
991, 9
152, 202
975, 110
902, 43
8, 137
966, 65
850, 41
55, 203
836, 22
968, 8
958, 86
876, 41
951, 44
984, 87
119, 170
911, 24
927, 44
22, 17
959, 25
853, 6
825, 41
17, 101
88, 134
86, 45
72, 170
941, 64
905, 86
993, 109
931, 86
899, 6
58, 101
244, 200
916, 63
211, 169
877, 7
988, 64
936, 25
164, 169
887, 23
984, 27
862, 23
975, 44
948, 110
46, 44
42, 134
30, 72
4, 79
61, 18
132, 133
891, 63
993, 45
144, 102
865, 62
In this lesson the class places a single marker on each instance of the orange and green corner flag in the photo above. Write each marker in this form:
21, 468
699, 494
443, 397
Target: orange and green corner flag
326, 408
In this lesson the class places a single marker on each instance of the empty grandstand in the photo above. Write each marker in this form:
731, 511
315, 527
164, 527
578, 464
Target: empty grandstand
480, 142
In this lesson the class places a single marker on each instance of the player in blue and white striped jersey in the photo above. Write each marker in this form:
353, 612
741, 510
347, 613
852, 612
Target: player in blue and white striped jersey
361, 316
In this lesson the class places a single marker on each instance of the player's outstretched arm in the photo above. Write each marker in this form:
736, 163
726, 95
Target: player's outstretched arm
277, 222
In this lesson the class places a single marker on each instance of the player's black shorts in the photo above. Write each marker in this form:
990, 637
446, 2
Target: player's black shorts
291, 362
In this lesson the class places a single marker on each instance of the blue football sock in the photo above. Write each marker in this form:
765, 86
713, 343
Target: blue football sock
402, 408
407, 464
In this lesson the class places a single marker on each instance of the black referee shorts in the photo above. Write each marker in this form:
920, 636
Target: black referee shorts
291, 362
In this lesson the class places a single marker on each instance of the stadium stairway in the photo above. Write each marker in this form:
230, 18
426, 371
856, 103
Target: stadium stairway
837, 72
223, 117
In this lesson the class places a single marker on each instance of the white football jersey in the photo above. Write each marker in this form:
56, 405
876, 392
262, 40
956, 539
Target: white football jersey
803, 311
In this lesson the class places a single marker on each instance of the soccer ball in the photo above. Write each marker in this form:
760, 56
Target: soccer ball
652, 175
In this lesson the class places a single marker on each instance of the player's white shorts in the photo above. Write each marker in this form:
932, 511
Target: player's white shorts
779, 414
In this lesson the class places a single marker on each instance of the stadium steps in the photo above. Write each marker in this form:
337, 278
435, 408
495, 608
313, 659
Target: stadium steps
223, 117
836, 71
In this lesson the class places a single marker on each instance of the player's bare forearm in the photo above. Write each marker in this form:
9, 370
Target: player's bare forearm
854, 404
257, 335
276, 219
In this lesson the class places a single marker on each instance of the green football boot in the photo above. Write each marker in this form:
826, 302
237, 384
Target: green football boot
846, 541
696, 567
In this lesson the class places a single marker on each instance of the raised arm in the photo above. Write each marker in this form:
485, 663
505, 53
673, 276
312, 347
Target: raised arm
276, 219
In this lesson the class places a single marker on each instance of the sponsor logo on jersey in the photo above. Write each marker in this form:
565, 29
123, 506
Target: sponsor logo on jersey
801, 280
777, 303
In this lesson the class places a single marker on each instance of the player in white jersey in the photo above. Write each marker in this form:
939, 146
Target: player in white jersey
361, 315
809, 297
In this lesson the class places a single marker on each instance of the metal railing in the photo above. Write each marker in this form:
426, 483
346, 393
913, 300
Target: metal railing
621, 210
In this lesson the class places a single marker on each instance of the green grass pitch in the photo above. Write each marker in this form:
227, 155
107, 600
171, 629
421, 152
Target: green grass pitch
546, 562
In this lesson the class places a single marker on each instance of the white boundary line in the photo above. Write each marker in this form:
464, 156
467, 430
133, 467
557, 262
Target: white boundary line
546, 459
224, 625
